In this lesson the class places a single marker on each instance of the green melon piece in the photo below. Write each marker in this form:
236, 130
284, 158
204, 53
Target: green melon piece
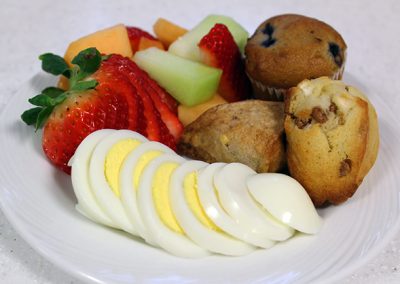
189, 82
186, 45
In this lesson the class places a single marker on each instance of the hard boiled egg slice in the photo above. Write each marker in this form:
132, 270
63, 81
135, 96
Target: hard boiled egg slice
130, 175
154, 207
190, 214
87, 203
209, 200
286, 200
230, 182
104, 168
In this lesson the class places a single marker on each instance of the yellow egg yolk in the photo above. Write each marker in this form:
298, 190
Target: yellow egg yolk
141, 164
160, 190
114, 159
192, 198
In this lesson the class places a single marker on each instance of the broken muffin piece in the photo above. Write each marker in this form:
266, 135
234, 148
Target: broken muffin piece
248, 132
332, 138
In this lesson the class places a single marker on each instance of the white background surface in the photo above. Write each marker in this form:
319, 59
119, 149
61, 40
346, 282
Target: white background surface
29, 28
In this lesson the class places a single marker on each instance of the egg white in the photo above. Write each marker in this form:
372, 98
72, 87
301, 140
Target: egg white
87, 202
127, 185
207, 238
209, 199
286, 199
173, 242
107, 199
230, 182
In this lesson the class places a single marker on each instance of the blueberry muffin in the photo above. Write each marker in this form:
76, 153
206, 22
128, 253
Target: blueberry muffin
332, 138
287, 49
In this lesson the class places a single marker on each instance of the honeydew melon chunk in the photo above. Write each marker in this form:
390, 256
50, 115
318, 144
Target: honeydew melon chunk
189, 82
186, 45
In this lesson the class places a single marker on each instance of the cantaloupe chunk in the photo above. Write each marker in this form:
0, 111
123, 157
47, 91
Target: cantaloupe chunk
63, 83
145, 43
189, 114
167, 32
111, 40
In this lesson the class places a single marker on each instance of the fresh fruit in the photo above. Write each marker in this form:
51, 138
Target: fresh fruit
110, 78
103, 92
219, 50
189, 82
156, 129
111, 40
189, 114
63, 83
136, 35
186, 45
71, 121
145, 43
167, 32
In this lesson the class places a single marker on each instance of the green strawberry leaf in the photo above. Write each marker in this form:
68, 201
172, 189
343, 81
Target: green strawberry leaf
41, 100
52, 92
54, 64
85, 63
30, 116
60, 98
88, 60
42, 116
84, 85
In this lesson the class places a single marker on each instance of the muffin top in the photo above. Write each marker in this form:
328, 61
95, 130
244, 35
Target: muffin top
286, 49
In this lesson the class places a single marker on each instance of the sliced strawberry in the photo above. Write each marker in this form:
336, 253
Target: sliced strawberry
156, 128
135, 34
116, 106
75, 118
170, 119
164, 102
109, 77
160, 98
218, 49
163, 94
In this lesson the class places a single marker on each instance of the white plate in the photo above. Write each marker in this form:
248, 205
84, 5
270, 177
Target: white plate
39, 202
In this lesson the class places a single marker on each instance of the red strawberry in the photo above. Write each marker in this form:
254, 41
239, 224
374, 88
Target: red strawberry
218, 49
156, 128
109, 77
161, 101
135, 34
74, 119
164, 96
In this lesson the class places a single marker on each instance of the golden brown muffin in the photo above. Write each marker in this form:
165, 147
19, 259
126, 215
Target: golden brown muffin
249, 132
332, 138
286, 49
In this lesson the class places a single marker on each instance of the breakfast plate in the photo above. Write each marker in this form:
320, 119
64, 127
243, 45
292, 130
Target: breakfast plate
39, 202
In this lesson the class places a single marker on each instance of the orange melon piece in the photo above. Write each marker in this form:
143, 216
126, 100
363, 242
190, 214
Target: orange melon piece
111, 40
167, 32
63, 83
189, 114
145, 43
